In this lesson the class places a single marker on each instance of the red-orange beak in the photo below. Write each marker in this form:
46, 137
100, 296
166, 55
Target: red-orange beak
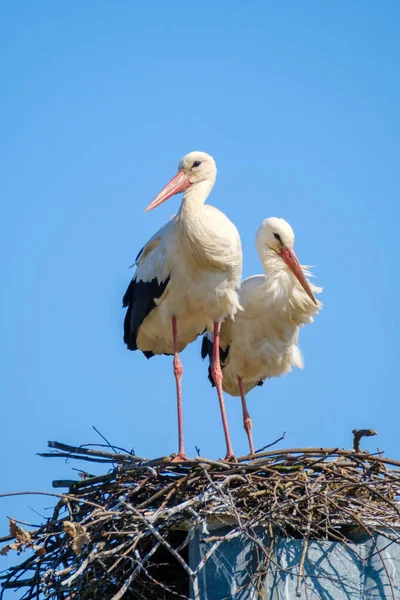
290, 259
179, 183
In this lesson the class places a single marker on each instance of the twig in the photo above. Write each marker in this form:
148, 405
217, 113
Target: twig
105, 439
304, 550
268, 445
134, 573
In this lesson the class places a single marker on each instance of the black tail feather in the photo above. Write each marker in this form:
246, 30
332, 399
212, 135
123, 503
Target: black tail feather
207, 348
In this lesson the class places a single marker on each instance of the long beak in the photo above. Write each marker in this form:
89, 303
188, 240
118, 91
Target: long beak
290, 259
179, 183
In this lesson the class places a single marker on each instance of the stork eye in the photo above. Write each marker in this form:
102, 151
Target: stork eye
277, 237
196, 163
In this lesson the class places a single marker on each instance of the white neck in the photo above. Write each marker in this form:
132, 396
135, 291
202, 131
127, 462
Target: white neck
195, 196
272, 262
284, 293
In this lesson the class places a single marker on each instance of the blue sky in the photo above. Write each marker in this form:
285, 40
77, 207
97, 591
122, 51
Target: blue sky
298, 103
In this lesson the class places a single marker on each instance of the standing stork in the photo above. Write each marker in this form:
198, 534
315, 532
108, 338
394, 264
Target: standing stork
262, 342
187, 278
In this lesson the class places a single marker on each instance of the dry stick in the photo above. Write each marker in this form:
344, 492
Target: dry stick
132, 576
168, 546
190, 534
318, 461
105, 553
115, 448
65, 571
383, 498
161, 585
271, 547
304, 550
159, 494
259, 543
354, 516
131, 548
67, 455
78, 484
315, 451
160, 538
137, 488
172, 492
341, 538
176, 509
101, 453
219, 488
271, 444
270, 550
62, 496
215, 463
104, 439
67, 582
230, 536
7, 585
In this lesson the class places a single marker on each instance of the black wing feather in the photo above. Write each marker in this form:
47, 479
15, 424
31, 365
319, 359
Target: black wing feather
139, 255
140, 299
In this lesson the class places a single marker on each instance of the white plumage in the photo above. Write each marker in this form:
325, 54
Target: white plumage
200, 252
262, 341
187, 274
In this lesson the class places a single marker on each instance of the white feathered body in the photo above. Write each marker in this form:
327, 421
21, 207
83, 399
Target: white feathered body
263, 338
199, 250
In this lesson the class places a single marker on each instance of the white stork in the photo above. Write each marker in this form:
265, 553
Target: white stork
187, 278
262, 342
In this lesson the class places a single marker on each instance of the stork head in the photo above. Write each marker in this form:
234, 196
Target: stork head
193, 169
276, 235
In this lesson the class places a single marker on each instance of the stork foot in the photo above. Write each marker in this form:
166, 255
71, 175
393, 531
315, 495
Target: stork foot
230, 457
179, 458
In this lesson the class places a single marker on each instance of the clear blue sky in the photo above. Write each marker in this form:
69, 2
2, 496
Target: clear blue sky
299, 104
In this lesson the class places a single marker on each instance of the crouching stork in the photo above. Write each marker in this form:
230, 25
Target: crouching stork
262, 341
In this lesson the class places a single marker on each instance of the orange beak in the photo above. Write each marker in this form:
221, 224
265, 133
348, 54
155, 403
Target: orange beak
290, 259
178, 183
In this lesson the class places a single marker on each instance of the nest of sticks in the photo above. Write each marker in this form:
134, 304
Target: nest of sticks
126, 533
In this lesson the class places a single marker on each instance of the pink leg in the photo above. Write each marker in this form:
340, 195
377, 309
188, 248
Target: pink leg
246, 417
217, 376
178, 370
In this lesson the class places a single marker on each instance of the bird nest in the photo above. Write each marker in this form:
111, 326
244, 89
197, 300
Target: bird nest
127, 533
